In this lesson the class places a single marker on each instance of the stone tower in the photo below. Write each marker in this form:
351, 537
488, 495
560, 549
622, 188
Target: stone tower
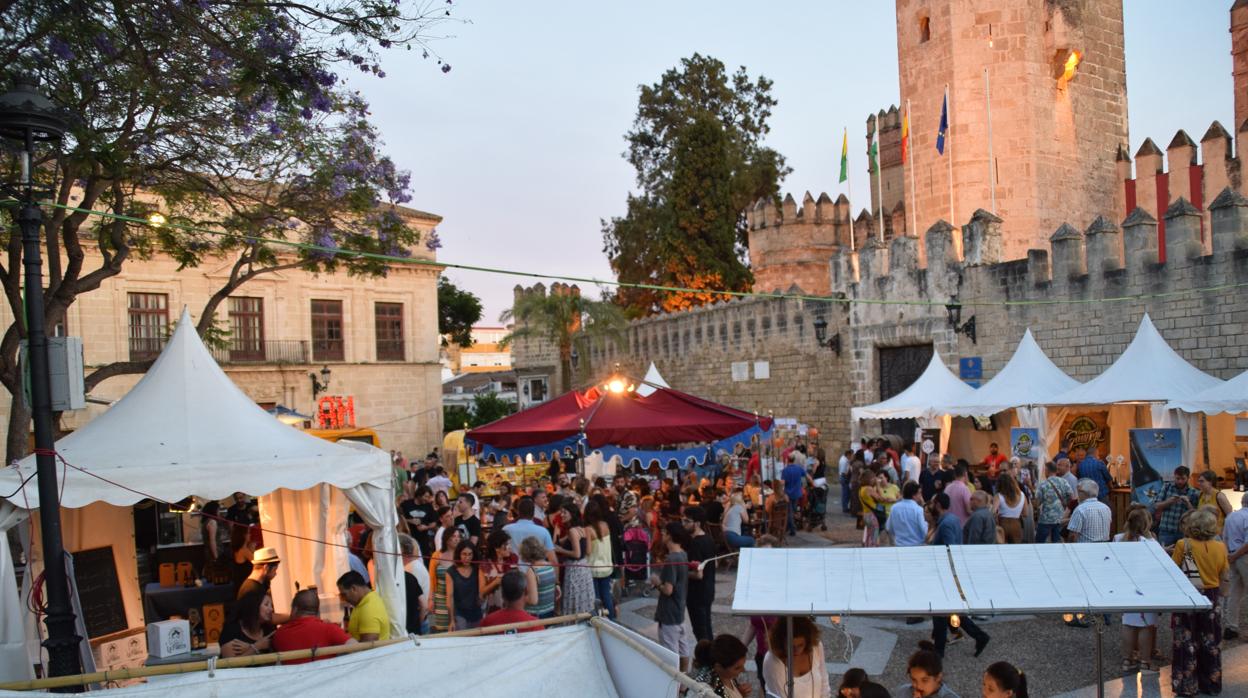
1059, 111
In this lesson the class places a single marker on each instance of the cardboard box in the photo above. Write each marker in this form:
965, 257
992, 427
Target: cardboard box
214, 619
168, 637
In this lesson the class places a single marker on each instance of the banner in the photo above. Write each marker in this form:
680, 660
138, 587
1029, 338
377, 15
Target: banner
1090, 430
1025, 444
929, 444
1155, 453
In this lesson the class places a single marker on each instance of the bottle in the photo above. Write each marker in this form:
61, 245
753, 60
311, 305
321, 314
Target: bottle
1145, 480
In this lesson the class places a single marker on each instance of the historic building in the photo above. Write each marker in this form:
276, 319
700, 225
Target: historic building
1077, 221
378, 340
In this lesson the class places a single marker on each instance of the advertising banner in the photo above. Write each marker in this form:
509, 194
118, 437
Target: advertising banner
1025, 444
929, 444
1089, 429
1155, 453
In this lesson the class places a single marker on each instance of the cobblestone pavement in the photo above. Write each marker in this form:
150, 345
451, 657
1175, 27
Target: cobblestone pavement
1058, 660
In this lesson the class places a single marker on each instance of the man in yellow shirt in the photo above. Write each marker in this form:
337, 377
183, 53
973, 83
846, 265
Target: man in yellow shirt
369, 618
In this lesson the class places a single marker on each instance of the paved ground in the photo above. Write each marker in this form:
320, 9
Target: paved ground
1058, 659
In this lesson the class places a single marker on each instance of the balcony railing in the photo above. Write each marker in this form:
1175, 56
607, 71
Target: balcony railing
272, 351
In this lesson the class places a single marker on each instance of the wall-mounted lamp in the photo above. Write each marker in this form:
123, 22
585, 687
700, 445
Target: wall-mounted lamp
321, 385
955, 321
1065, 65
821, 335
575, 357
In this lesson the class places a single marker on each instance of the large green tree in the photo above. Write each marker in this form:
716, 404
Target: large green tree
230, 116
696, 145
458, 311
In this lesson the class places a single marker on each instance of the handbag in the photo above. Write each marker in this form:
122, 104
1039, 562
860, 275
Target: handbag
1189, 567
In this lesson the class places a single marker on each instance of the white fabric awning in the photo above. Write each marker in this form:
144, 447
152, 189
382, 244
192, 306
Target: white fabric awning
187, 429
1230, 396
1028, 378
925, 397
653, 381
993, 579
1148, 371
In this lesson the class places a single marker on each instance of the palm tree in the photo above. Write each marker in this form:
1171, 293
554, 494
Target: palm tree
562, 317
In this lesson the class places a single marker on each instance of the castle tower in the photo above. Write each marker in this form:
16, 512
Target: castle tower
1059, 110
1239, 60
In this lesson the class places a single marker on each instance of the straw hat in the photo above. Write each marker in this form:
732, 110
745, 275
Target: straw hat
265, 556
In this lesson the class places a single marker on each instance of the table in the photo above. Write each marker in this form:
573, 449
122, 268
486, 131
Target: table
160, 603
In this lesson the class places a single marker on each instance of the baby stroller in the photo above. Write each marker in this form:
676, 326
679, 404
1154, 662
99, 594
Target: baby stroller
817, 507
637, 559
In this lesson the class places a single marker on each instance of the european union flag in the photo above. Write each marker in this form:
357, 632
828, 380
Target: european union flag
944, 125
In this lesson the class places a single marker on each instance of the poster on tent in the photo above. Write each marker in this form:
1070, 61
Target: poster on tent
1025, 444
1155, 453
929, 444
1087, 429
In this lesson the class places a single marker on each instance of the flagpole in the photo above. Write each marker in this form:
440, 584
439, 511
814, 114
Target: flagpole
879, 183
953, 218
992, 170
914, 193
849, 187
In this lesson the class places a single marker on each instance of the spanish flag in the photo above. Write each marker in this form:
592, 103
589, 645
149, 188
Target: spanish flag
905, 136
844, 157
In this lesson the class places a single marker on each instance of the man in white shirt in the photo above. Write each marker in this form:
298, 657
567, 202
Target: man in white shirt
440, 482
906, 522
842, 469
1235, 535
910, 463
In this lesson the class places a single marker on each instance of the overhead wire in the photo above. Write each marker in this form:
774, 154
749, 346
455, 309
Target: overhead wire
838, 299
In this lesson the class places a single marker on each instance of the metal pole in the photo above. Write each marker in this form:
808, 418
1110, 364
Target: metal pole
1099, 624
788, 666
953, 216
914, 192
63, 640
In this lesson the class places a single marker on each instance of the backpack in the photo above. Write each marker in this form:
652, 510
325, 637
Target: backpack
1190, 568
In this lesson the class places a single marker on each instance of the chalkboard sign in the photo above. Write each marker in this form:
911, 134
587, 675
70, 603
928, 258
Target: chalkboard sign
99, 592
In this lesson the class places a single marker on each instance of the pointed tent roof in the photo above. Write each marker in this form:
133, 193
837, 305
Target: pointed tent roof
652, 381
1028, 378
1148, 371
925, 396
1230, 396
187, 429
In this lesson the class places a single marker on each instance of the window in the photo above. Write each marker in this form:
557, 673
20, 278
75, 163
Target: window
536, 389
246, 329
327, 331
925, 29
149, 324
388, 320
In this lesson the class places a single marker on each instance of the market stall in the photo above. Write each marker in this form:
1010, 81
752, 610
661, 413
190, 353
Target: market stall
186, 429
665, 427
1088, 578
922, 401
1225, 407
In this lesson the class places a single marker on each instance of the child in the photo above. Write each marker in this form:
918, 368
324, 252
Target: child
672, 583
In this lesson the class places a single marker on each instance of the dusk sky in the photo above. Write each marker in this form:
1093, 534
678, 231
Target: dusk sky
518, 146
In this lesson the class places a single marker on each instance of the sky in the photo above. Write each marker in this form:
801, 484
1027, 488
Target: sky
519, 146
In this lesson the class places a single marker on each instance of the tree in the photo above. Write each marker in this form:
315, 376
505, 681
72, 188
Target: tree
489, 407
560, 317
455, 417
228, 116
458, 311
696, 146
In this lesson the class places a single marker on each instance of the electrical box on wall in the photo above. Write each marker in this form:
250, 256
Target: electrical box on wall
65, 368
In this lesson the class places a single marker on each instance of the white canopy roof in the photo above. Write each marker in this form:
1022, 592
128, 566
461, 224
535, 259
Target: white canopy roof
924, 398
186, 429
989, 579
1230, 396
1148, 371
1029, 378
653, 381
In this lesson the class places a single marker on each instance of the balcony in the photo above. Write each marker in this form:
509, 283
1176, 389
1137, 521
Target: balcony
273, 351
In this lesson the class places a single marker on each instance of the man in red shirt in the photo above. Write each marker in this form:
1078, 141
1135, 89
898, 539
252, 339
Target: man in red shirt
514, 585
993, 462
306, 630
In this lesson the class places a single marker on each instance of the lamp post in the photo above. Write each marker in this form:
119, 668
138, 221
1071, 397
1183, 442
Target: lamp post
321, 385
26, 118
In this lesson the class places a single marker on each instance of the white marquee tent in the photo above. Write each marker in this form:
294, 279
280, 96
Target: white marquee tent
1025, 384
591, 660
653, 381
921, 401
1230, 397
186, 429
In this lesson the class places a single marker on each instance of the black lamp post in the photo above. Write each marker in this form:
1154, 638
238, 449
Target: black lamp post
27, 118
967, 328
821, 335
319, 386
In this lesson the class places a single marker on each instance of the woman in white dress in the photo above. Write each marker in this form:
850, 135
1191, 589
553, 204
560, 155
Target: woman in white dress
1139, 630
810, 670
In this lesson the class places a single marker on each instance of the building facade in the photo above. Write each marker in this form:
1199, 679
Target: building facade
379, 340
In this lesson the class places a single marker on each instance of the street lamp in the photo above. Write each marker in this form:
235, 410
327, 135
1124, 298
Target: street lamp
26, 118
954, 311
821, 335
322, 385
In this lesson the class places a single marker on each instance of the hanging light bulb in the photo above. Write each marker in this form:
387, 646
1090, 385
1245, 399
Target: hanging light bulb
157, 219
1068, 617
955, 621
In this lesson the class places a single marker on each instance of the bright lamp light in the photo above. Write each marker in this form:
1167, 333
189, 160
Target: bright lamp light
157, 219
616, 385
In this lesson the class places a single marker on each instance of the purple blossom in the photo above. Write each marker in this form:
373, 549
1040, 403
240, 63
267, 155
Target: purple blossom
60, 49
385, 43
104, 45
323, 237
275, 129
446, 67
321, 102
338, 187
381, 73
433, 241
325, 78
306, 113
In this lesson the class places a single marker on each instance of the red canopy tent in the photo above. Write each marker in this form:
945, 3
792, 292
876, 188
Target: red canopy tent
663, 418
